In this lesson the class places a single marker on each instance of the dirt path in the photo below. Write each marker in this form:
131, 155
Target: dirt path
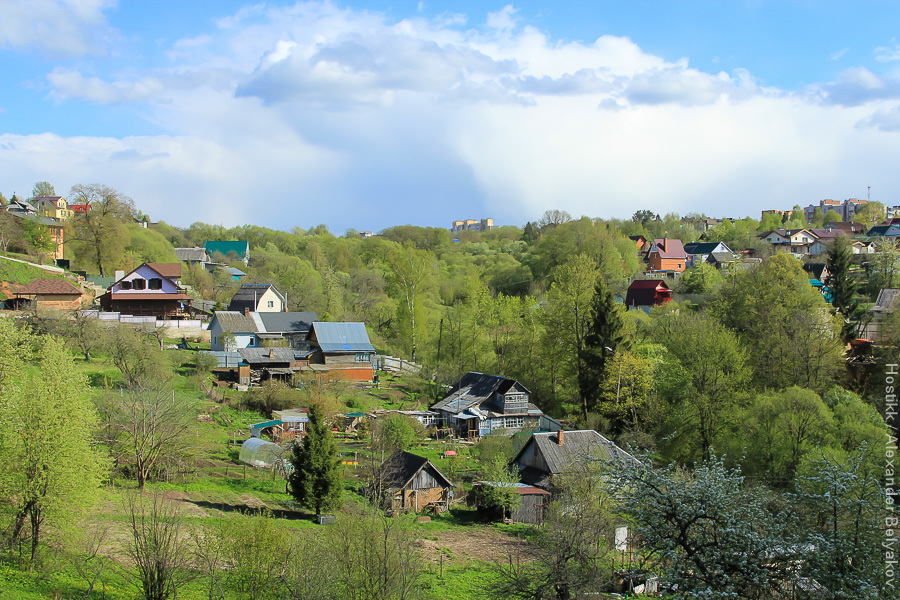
476, 542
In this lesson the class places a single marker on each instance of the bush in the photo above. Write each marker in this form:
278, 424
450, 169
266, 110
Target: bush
272, 395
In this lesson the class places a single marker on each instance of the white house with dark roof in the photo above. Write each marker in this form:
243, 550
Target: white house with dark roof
258, 297
254, 329
479, 404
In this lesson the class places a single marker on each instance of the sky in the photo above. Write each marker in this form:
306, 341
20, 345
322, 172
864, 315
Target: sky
363, 115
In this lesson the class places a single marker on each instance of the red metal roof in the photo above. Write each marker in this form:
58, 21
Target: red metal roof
648, 284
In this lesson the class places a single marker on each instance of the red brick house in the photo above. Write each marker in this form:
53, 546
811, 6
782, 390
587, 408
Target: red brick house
666, 254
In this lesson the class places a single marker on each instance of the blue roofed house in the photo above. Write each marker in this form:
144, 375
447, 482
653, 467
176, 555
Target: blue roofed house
479, 404
241, 249
343, 350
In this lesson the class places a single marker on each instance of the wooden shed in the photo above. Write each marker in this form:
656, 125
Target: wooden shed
533, 502
414, 483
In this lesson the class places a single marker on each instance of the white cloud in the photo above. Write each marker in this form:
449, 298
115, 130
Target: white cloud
340, 116
56, 27
839, 54
68, 83
888, 53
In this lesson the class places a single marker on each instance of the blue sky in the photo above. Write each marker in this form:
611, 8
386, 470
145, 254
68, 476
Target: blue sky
370, 114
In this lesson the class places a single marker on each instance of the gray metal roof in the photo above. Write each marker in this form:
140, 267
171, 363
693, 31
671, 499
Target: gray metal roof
886, 298
224, 359
192, 254
232, 321
267, 355
474, 389
577, 447
288, 322
342, 337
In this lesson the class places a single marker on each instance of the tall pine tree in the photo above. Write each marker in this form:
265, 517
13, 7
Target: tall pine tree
316, 479
604, 339
842, 287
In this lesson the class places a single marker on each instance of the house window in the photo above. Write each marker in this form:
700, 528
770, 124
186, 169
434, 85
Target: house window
139, 284
156, 283
515, 422
271, 304
124, 285
215, 340
363, 357
252, 342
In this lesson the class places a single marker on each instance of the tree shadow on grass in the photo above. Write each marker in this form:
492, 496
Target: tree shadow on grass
278, 513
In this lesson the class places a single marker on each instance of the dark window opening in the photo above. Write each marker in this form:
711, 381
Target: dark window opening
124, 285
156, 283
139, 284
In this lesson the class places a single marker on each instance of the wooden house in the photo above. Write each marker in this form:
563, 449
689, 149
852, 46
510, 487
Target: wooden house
644, 293
479, 404
152, 289
55, 294
288, 424
273, 363
413, 483
547, 455
343, 350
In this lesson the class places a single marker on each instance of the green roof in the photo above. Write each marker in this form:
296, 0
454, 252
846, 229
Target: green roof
241, 248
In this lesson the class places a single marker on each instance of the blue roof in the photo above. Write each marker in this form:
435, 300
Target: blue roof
234, 271
342, 337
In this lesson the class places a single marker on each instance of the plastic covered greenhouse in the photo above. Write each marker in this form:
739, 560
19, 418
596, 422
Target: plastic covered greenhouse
261, 453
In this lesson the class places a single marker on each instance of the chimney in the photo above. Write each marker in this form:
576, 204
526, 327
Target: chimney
246, 312
664, 244
559, 437
271, 352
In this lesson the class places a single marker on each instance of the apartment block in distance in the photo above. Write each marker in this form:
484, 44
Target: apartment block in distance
472, 225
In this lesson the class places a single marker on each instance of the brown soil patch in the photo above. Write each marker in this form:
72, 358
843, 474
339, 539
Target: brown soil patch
475, 543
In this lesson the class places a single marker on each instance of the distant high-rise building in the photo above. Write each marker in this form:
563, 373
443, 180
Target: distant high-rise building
472, 225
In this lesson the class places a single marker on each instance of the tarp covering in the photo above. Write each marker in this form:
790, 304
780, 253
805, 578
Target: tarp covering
260, 453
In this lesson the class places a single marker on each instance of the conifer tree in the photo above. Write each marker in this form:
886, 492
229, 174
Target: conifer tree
842, 287
604, 339
316, 478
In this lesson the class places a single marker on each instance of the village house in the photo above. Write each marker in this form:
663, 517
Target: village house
413, 483
548, 455
480, 404
343, 350
645, 293
193, 256
252, 329
666, 254
152, 289
795, 241
700, 252
258, 297
54, 207
229, 251
53, 294
285, 425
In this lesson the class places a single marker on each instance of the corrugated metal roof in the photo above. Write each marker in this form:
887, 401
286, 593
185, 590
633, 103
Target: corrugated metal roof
474, 389
288, 322
267, 355
342, 337
191, 254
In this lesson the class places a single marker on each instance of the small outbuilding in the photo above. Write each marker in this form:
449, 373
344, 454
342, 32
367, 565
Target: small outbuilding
260, 453
413, 483
533, 501
57, 294
644, 293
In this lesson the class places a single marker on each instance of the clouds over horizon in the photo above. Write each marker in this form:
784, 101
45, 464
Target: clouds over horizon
345, 114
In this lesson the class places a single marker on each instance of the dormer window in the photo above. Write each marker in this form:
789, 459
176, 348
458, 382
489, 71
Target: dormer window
139, 284
155, 283
124, 285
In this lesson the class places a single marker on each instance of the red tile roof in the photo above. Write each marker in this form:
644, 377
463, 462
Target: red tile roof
56, 287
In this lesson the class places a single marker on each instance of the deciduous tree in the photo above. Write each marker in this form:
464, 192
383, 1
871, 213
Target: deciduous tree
99, 234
